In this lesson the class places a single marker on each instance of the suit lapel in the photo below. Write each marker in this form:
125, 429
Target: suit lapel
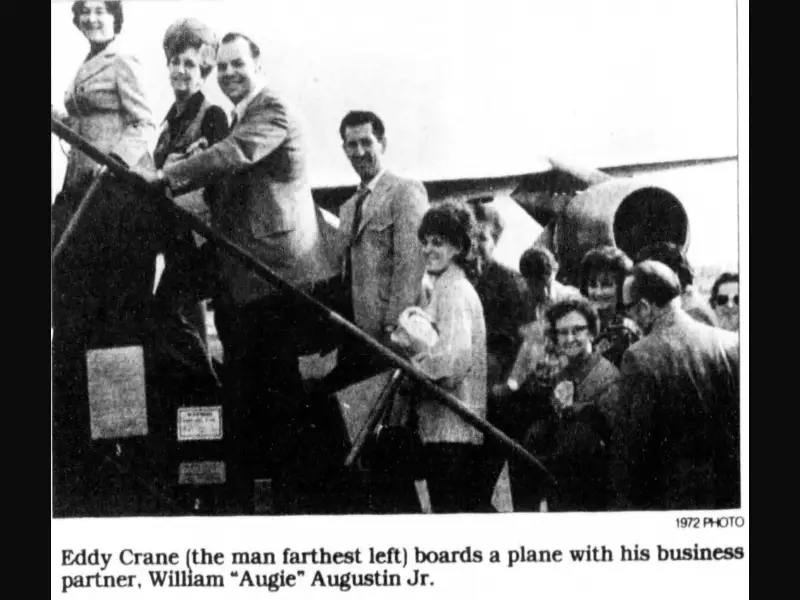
376, 200
254, 104
96, 64
346, 217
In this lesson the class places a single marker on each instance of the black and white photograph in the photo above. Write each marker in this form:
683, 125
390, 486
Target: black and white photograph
395, 259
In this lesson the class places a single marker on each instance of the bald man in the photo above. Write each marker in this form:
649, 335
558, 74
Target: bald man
676, 438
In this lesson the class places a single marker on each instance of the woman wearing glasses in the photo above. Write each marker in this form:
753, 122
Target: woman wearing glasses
725, 300
572, 441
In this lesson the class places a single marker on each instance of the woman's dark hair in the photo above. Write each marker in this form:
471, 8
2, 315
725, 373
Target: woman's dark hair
112, 6
672, 256
191, 33
538, 263
726, 277
604, 258
455, 222
562, 308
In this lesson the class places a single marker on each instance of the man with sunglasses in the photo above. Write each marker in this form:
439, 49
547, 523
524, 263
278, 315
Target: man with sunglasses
725, 300
676, 438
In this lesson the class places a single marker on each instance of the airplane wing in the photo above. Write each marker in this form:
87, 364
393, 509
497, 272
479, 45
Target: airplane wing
637, 169
541, 192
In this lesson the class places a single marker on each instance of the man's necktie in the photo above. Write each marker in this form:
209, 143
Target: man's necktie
359, 210
234, 120
361, 196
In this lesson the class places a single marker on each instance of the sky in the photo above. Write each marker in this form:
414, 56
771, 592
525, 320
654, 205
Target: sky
477, 88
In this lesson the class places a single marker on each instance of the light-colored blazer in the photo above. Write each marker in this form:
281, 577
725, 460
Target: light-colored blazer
264, 203
386, 255
457, 361
107, 105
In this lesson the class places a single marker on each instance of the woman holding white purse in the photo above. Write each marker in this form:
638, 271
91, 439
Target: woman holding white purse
456, 360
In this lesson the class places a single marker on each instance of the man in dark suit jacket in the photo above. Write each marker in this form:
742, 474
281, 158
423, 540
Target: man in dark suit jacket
264, 205
676, 436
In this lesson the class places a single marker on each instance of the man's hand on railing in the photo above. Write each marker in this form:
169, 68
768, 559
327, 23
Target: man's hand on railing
152, 178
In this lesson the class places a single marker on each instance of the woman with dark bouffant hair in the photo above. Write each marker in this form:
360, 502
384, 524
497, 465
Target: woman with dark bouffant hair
456, 361
603, 271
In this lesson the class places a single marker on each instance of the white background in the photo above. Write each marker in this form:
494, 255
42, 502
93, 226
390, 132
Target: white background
469, 89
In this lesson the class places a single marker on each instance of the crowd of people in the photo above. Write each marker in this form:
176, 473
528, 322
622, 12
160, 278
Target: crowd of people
626, 389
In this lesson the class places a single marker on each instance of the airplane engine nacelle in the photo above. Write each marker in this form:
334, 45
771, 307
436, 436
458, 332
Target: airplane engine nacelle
627, 213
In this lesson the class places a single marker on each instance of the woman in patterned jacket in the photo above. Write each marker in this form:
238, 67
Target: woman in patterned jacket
457, 361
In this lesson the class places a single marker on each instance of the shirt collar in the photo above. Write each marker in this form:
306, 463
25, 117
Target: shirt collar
239, 109
373, 183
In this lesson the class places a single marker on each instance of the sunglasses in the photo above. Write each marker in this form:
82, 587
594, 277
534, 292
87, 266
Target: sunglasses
724, 300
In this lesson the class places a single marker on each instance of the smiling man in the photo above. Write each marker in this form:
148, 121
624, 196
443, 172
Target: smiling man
265, 206
382, 256
382, 267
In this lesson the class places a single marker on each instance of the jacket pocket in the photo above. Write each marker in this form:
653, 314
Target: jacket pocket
377, 235
379, 224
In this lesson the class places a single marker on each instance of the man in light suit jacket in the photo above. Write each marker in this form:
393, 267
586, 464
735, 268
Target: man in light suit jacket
676, 436
381, 255
382, 266
264, 205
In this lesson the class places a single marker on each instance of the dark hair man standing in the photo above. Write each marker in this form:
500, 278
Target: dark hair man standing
382, 256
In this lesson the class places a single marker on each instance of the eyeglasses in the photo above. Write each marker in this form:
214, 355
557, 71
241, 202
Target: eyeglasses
565, 331
724, 300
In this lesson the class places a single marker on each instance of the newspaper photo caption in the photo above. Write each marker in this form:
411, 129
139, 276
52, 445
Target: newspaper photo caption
342, 569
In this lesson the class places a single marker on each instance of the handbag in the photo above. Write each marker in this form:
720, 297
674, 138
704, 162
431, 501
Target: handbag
394, 448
